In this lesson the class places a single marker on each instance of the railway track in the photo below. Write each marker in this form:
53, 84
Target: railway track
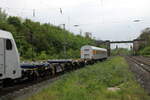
142, 62
21, 88
141, 67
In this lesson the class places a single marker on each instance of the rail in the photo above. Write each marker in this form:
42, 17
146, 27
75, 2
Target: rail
141, 62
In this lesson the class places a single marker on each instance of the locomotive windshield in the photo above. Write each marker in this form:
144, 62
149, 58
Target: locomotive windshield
8, 44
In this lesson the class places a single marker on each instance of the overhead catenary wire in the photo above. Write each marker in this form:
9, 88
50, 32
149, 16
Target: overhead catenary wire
101, 7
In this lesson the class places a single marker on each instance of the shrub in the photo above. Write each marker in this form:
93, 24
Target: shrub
145, 51
42, 55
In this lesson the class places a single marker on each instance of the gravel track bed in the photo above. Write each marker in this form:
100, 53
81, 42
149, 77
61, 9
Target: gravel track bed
20, 92
142, 75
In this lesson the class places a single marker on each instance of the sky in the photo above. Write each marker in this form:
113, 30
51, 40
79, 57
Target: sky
105, 19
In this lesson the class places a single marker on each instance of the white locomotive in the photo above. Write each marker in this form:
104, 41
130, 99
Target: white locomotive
9, 57
95, 53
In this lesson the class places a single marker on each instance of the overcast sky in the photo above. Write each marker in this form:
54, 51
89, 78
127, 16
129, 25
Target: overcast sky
106, 19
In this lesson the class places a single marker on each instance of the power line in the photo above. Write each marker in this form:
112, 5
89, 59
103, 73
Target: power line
101, 3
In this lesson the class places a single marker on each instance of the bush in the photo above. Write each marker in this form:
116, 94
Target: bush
73, 53
30, 54
120, 51
145, 51
42, 55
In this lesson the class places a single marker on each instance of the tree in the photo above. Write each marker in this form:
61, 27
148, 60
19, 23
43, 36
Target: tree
3, 15
15, 21
144, 46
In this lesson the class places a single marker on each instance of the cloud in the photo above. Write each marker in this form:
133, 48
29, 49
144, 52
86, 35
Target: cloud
106, 19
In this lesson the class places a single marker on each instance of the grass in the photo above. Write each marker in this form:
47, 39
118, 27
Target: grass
92, 83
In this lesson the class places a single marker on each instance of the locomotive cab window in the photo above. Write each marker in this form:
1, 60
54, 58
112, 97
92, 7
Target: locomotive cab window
86, 49
8, 44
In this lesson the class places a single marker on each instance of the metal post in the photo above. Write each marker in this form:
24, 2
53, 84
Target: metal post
108, 47
65, 54
31, 37
80, 32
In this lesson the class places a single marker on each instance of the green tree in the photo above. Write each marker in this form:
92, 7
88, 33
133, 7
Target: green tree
144, 46
3, 15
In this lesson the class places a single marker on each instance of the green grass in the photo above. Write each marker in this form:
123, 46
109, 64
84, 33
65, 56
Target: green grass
91, 83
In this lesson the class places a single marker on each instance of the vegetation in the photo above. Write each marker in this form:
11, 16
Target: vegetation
145, 51
145, 46
120, 51
94, 82
42, 41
